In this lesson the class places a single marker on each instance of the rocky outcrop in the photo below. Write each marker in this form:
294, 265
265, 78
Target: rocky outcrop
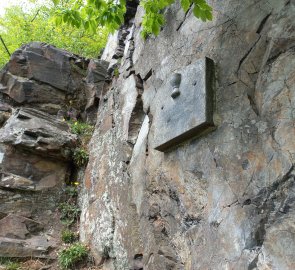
40, 88
223, 200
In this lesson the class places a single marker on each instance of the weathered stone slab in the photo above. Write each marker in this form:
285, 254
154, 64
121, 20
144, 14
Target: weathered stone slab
47, 64
97, 71
189, 114
37, 246
18, 227
40, 132
22, 90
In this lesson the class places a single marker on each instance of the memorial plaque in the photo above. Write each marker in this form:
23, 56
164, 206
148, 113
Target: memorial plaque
186, 107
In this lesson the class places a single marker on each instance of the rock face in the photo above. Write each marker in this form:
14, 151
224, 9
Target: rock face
224, 200
40, 87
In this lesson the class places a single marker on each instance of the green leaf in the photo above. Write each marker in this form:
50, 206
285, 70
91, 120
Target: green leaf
156, 28
66, 17
58, 20
202, 11
98, 4
197, 11
209, 15
87, 25
185, 4
118, 20
55, 2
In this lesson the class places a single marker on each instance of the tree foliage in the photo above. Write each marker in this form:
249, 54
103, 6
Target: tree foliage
91, 14
110, 13
82, 26
154, 19
19, 26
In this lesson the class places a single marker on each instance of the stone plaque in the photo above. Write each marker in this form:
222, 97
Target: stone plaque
186, 105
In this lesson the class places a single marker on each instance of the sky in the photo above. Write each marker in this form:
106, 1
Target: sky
7, 3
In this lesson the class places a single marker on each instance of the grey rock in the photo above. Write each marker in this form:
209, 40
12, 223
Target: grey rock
18, 227
34, 247
223, 200
39, 82
47, 64
97, 71
39, 132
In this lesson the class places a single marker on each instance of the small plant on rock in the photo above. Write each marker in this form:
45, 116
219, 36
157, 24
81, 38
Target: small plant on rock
80, 157
72, 190
81, 128
69, 213
9, 264
67, 236
72, 255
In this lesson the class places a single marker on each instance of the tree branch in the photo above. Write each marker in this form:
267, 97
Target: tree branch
35, 15
5, 46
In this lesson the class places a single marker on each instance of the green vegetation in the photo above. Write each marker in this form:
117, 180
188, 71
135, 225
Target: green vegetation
81, 128
110, 14
67, 236
154, 19
116, 72
12, 266
19, 26
72, 255
9, 264
80, 157
72, 191
91, 13
84, 132
70, 213
81, 26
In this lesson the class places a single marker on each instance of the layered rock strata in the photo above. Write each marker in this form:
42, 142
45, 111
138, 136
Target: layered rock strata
40, 88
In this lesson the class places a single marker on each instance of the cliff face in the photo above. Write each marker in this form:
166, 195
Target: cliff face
223, 199
218, 193
40, 87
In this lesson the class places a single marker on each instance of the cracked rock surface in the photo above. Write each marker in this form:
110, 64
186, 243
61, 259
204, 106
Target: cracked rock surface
221, 201
40, 87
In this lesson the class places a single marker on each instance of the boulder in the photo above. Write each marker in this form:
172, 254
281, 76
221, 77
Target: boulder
39, 132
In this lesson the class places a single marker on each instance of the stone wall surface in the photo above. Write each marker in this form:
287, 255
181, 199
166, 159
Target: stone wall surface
224, 200
40, 87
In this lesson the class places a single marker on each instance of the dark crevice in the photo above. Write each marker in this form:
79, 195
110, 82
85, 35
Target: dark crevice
247, 54
253, 105
274, 57
137, 115
131, 8
138, 257
190, 221
260, 232
232, 83
247, 202
265, 201
174, 196
179, 26
231, 204
139, 82
253, 264
148, 75
261, 25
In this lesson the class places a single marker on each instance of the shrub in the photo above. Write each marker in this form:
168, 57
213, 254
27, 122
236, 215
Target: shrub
72, 191
9, 264
69, 213
72, 255
67, 236
12, 266
80, 157
81, 128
